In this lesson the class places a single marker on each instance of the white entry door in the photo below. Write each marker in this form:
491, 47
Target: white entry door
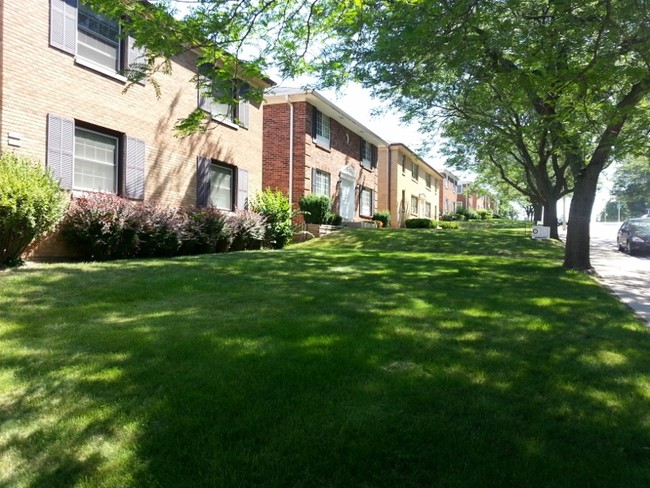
347, 199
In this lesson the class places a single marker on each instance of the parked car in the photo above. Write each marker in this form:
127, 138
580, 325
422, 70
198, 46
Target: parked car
634, 236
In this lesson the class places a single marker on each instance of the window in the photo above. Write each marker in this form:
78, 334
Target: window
368, 154
427, 179
321, 128
95, 159
211, 98
446, 181
403, 165
96, 41
459, 189
320, 182
221, 189
414, 171
428, 210
366, 202
221, 185
414, 205
98, 38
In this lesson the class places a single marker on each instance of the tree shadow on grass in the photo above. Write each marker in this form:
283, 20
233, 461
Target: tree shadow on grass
380, 364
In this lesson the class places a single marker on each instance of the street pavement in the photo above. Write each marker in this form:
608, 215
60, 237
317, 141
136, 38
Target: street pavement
628, 277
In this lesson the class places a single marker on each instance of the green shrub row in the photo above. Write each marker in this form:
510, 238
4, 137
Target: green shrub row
463, 214
421, 223
382, 216
31, 203
104, 226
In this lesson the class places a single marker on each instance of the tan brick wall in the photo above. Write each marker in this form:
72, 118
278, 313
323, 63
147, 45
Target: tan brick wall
403, 183
38, 79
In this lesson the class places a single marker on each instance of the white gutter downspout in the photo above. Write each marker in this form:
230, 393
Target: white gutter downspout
290, 150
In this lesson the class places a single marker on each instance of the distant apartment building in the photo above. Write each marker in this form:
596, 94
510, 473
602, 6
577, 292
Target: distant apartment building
62, 101
449, 192
473, 200
408, 186
311, 146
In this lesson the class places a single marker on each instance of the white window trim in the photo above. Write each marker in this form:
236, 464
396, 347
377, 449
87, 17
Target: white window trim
115, 189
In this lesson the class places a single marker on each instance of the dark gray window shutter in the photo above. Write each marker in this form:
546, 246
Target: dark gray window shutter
243, 113
63, 25
134, 158
374, 155
314, 123
203, 181
313, 180
60, 149
242, 188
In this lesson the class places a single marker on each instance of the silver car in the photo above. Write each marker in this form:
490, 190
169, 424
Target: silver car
634, 236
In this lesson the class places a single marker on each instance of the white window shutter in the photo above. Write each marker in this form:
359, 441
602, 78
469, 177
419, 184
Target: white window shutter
63, 25
135, 158
136, 60
60, 149
242, 188
243, 113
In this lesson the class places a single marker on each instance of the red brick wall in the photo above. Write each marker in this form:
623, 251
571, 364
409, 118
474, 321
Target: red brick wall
344, 149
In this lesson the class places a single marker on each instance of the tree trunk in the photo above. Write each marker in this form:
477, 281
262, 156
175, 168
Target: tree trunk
576, 253
537, 212
550, 217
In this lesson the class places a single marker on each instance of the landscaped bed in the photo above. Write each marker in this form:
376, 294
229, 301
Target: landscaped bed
389, 357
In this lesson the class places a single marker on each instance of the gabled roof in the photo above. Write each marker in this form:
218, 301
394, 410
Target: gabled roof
408, 150
284, 95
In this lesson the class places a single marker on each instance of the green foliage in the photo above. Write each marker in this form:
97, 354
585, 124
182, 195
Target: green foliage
334, 219
274, 206
315, 208
484, 214
419, 223
382, 216
467, 213
31, 203
632, 186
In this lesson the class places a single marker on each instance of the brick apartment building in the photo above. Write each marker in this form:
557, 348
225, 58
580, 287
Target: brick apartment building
408, 186
448, 192
312, 146
62, 102
473, 200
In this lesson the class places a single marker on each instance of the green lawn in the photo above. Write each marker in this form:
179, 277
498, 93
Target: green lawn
372, 358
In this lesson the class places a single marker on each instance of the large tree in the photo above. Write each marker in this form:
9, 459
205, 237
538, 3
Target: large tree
581, 68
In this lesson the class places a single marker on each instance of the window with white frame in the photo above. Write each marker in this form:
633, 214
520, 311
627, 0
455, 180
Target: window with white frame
221, 187
212, 98
427, 207
403, 165
95, 41
414, 205
427, 179
365, 207
320, 182
88, 158
414, 171
95, 161
321, 128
